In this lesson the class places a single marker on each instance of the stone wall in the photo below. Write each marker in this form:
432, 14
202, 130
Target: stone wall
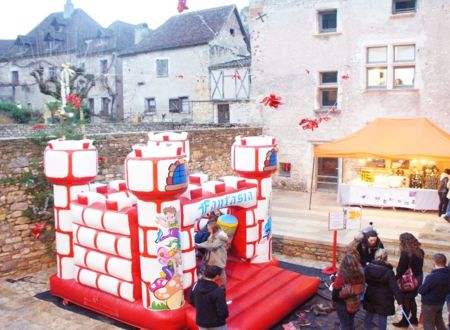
20, 251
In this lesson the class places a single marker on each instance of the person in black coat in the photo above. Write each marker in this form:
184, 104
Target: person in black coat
434, 291
411, 255
381, 289
368, 247
209, 301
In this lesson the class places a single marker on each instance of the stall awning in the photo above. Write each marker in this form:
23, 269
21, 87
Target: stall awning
416, 138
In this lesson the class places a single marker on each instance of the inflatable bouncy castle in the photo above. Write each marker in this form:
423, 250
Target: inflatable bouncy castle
126, 249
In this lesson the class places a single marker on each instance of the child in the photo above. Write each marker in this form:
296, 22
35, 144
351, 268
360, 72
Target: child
216, 247
434, 291
209, 301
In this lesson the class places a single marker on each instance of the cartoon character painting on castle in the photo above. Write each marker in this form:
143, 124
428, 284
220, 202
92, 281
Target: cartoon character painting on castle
133, 245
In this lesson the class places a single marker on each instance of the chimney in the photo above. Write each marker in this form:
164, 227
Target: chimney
140, 32
68, 9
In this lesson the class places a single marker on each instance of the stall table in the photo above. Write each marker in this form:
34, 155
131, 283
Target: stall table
415, 199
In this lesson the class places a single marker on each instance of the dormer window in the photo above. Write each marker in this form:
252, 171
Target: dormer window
232, 32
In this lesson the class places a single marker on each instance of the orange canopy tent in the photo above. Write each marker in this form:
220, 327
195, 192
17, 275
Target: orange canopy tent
415, 138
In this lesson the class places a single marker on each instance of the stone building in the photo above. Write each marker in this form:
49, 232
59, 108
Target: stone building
65, 37
350, 60
166, 77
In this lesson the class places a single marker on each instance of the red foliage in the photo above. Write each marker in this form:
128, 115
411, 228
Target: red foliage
75, 100
345, 76
237, 76
272, 101
311, 124
37, 230
37, 127
101, 159
182, 6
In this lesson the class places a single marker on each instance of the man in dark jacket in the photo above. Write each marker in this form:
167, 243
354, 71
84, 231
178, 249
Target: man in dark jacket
368, 247
209, 301
434, 290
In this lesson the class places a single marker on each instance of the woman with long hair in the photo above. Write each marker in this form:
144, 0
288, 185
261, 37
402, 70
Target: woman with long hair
347, 287
411, 256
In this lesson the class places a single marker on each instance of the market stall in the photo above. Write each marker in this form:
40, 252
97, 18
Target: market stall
396, 163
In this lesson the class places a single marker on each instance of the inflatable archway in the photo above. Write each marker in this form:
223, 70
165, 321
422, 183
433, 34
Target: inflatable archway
126, 249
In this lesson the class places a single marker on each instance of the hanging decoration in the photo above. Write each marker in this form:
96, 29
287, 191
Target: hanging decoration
345, 76
74, 100
37, 230
237, 76
180, 76
272, 101
182, 6
311, 124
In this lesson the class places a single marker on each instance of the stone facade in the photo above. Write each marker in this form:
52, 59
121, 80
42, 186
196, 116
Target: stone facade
289, 53
20, 252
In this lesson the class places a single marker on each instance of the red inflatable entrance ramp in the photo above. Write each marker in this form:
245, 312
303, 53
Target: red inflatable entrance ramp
261, 295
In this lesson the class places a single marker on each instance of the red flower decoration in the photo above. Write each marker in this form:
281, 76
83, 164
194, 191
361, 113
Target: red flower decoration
37, 127
333, 108
75, 100
180, 76
237, 76
101, 159
311, 124
324, 118
346, 76
182, 6
37, 230
272, 101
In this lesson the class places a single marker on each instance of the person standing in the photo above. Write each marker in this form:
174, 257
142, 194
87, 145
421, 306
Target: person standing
443, 191
216, 247
347, 287
411, 256
434, 291
209, 301
381, 289
368, 246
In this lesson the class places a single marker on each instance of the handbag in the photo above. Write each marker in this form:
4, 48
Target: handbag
408, 282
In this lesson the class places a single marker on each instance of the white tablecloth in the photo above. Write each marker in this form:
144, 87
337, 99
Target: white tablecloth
416, 199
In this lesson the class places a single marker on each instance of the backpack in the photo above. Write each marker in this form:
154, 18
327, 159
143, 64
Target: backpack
351, 294
443, 185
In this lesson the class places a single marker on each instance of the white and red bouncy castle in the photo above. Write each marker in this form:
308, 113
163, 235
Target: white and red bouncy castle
126, 249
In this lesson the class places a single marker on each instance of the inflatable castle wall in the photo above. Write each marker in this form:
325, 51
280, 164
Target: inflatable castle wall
126, 249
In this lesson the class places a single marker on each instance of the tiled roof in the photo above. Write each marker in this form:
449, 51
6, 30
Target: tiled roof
189, 29
70, 36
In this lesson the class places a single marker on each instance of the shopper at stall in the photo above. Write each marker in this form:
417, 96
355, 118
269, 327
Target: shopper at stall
443, 190
434, 292
347, 288
368, 247
410, 266
381, 289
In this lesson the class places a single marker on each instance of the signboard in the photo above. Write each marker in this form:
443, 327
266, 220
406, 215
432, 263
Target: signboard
348, 218
352, 216
336, 221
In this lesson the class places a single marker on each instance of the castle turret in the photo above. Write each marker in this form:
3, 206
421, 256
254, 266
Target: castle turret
70, 166
255, 158
157, 175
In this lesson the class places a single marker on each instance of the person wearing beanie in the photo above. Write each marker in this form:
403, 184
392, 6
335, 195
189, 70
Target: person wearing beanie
368, 247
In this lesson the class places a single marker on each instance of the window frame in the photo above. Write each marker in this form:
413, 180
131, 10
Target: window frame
320, 14
390, 65
148, 106
103, 66
156, 68
399, 12
104, 112
179, 101
15, 78
327, 86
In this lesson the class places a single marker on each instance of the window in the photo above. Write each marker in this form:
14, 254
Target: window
15, 77
103, 66
327, 21
391, 66
91, 103
403, 6
105, 106
52, 72
180, 105
232, 32
328, 89
162, 68
150, 105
